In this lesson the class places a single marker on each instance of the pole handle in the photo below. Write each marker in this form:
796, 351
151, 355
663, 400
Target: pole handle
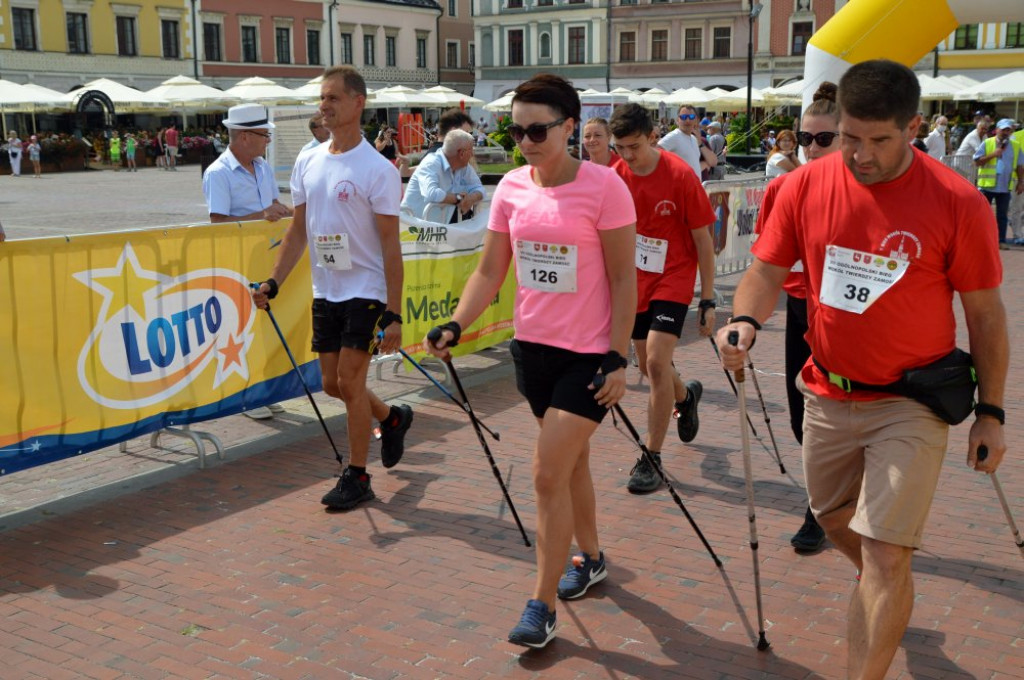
982, 452
734, 340
256, 286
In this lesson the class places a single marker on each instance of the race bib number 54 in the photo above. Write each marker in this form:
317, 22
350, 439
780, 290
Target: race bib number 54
546, 267
852, 280
332, 252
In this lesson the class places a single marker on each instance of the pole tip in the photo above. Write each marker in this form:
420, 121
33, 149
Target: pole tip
762, 643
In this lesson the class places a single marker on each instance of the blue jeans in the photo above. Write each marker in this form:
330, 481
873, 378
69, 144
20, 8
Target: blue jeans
1002, 199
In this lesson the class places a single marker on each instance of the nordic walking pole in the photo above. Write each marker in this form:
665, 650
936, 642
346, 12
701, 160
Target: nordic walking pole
598, 382
437, 383
295, 365
433, 336
762, 641
982, 455
728, 376
764, 410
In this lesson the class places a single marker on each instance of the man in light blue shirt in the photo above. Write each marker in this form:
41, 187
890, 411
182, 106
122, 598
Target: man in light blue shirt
444, 180
240, 184
319, 132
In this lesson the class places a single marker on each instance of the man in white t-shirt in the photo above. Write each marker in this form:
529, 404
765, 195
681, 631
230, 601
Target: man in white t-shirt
974, 138
685, 141
346, 197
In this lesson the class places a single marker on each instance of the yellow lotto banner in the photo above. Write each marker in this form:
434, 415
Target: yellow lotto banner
438, 261
110, 336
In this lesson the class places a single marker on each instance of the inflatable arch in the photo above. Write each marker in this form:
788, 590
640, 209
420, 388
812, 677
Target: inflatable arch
901, 30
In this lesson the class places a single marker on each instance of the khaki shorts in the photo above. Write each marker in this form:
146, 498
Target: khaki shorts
882, 457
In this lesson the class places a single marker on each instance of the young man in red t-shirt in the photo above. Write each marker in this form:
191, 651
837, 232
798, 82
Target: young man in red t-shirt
672, 241
886, 235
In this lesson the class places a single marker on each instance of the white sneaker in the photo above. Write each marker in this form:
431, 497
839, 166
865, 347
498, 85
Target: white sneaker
276, 408
259, 413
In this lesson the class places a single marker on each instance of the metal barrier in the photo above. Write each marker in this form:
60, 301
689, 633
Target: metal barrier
964, 166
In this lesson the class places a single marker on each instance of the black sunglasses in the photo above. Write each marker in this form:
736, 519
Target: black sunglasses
538, 132
822, 138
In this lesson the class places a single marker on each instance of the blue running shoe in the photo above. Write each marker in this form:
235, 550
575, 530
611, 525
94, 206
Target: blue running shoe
582, 572
536, 627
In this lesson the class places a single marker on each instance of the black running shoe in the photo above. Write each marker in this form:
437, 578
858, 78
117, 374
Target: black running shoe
351, 490
686, 412
536, 627
392, 438
583, 571
810, 537
643, 478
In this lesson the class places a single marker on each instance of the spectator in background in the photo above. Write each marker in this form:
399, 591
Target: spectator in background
1000, 171
445, 178
936, 139
33, 155
716, 140
319, 132
975, 137
129, 152
14, 153
922, 134
686, 142
453, 119
783, 157
597, 141
171, 146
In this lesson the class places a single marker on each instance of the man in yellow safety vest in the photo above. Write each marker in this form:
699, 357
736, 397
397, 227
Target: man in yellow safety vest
1000, 167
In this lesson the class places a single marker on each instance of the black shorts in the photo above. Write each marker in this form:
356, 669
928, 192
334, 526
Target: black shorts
352, 323
559, 378
661, 315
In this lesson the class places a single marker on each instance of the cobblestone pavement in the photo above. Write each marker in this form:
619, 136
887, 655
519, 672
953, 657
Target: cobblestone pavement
139, 565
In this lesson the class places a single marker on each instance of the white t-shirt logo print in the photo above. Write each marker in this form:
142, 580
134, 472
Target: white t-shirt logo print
344, 191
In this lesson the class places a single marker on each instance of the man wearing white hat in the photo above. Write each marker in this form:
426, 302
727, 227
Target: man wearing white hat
347, 198
240, 185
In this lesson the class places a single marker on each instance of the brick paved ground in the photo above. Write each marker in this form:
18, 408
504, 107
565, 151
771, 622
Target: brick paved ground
237, 571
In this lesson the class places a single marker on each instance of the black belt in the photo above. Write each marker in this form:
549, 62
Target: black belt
848, 385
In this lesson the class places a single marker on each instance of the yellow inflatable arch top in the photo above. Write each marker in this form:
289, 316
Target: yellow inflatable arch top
901, 30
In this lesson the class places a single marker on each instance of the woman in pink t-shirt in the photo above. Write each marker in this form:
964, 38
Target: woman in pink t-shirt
570, 226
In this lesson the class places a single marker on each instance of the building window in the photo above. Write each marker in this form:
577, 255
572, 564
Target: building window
390, 50
421, 52
722, 45
515, 4
545, 46
24, 28
283, 44
346, 48
627, 2
802, 31
169, 34
515, 48
78, 33
627, 46
369, 47
659, 45
451, 54
250, 45
1014, 35
472, 56
966, 37
545, 3
577, 45
453, 8
577, 2
692, 48
211, 42
127, 44
312, 47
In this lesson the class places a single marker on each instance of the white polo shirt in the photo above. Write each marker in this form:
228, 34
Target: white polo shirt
684, 146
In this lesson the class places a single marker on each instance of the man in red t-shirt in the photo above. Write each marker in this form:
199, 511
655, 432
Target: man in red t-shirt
672, 241
886, 235
171, 146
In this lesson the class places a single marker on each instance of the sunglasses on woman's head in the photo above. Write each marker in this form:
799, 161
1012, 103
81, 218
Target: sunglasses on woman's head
687, 116
822, 138
538, 132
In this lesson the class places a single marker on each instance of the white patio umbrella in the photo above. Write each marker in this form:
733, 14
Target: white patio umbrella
1006, 88
453, 97
399, 96
693, 96
185, 92
651, 99
736, 99
125, 99
501, 104
311, 90
936, 89
263, 91
788, 94
18, 98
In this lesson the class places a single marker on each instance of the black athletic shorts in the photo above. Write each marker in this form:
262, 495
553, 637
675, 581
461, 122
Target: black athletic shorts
661, 315
352, 323
559, 378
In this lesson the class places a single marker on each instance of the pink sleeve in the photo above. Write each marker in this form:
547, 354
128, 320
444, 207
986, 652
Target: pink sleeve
617, 210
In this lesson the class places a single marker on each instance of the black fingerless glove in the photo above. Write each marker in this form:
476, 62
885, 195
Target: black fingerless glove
272, 293
612, 362
387, 318
435, 333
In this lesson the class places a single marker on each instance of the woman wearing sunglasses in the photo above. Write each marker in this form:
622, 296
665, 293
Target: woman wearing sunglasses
818, 136
570, 226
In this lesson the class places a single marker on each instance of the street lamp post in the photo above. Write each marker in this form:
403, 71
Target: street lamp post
755, 9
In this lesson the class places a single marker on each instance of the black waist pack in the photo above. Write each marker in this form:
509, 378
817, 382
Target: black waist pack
946, 386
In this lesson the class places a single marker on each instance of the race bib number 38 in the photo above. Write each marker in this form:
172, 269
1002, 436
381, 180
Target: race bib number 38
548, 267
332, 252
852, 280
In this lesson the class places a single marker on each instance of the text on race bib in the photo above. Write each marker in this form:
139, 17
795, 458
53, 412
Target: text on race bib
852, 280
332, 252
548, 267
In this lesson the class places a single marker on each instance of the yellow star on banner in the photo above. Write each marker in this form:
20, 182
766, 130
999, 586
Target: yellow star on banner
121, 286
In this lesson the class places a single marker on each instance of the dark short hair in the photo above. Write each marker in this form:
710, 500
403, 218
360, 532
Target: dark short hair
879, 90
555, 91
353, 80
452, 119
630, 119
